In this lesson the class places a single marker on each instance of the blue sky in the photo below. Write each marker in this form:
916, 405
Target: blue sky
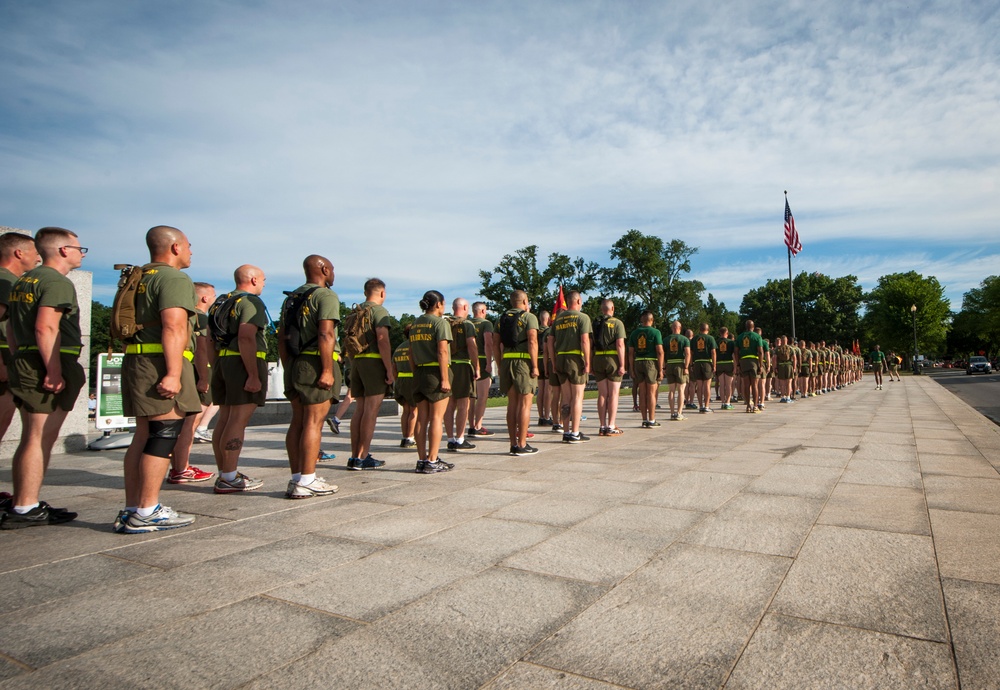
422, 141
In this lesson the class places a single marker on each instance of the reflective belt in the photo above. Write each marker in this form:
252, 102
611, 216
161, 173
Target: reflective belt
675, 361
336, 355
152, 349
73, 350
570, 352
368, 355
4, 346
645, 359
430, 364
226, 352
749, 357
605, 352
461, 361
404, 375
517, 355
704, 360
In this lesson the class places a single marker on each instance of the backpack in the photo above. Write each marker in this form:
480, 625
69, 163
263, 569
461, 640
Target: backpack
123, 323
603, 333
218, 318
357, 326
291, 320
508, 327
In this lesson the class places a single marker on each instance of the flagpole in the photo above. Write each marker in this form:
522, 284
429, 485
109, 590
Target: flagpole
791, 290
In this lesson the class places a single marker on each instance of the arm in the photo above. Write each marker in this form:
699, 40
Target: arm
201, 360
687, 357
631, 362
620, 346
470, 345
444, 357
247, 338
488, 351
176, 331
47, 337
326, 340
585, 347
385, 352
659, 362
533, 351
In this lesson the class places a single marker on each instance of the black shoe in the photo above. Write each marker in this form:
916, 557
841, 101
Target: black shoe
454, 446
575, 438
6, 501
427, 467
522, 451
407, 443
42, 514
557, 427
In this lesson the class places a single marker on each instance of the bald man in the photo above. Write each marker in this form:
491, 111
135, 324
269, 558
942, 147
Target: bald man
158, 380
239, 377
465, 372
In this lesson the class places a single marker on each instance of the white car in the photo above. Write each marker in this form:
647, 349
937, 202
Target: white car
978, 365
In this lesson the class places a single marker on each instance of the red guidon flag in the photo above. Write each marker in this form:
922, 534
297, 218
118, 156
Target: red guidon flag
560, 303
791, 235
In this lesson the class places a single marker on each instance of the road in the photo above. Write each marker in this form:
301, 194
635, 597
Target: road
980, 391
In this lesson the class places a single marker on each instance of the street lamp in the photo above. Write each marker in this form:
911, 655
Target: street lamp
913, 315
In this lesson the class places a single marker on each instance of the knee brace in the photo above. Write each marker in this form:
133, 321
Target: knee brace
163, 437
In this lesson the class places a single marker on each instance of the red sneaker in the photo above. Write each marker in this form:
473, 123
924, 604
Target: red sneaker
191, 474
531, 435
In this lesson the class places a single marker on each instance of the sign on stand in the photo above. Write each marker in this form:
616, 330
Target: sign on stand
109, 403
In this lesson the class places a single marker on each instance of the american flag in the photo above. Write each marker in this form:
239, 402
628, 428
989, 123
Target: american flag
791, 235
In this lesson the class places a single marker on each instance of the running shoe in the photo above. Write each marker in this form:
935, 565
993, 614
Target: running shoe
42, 514
575, 438
6, 501
318, 487
368, 463
603, 431
408, 443
429, 467
163, 518
635, 408
455, 447
202, 436
557, 427
614, 431
705, 410
189, 475
241, 484
679, 418
483, 431
323, 455
530, 435
521, 451
118, 527
334, 425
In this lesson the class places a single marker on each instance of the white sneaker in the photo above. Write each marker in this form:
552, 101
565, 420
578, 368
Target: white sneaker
202, 436
162, 518
318, 487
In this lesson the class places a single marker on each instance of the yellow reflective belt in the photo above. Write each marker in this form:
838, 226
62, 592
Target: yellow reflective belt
152, 349
430, 364
704, 360
605, 352
226, 352
645, 359
570, 352
368, 355
749, 357
517, 355
404, 375
4, 346
336, 355
675, 361
71, 350
461, 361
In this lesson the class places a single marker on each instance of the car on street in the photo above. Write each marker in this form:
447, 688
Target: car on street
978, 365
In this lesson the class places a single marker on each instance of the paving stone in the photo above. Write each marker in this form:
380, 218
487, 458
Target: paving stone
8, 669
796, 480
882, 473
760, 523
478, 544
820, 457
522, 675
968, 545
701, 491
598, 488
974, 616
963, 494
405, 523
892, 438
803, 655
885, 451
522, 609
957, 466
946, 447
552, 510
686, 615
879, 581
754, 464
32, 586
608, 546
869, 506
234, 645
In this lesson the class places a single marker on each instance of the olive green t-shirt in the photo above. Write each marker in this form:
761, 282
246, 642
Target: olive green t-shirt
44, 286
461, 331
673, 348
747, 344
248, 309
568, 327
526, 321
380, 319
425, 334
482, 326
877, 356
401, 356
701, 348
322, 305
7, 280
163, 287
644, 340
725, 348
613, 329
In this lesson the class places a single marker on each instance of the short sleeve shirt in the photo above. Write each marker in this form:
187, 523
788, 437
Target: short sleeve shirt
725, 347
615, 330
674, 347
644, 340
483, 326
380, 319
425, 334
877, 356
526, 321
569, 327
322, 305
44, 286
701, 348
249, 309
401, 356
7, 280
163, 287
747, 344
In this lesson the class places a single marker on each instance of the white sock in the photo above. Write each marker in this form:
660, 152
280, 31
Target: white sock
228, 476
146, 512
21, 510
296, 477
452, 440
460, 440
307, 479
336, 419
410, 438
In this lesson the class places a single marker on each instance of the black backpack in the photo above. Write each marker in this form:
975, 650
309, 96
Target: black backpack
218, 318
291, 320
603, 339
508, 327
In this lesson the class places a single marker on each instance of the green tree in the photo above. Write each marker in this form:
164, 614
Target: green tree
888, 318
825, 308
649, 272
520, 271
716, 315
978, 324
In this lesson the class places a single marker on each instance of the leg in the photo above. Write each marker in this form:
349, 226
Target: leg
434, 427
231, 432
612, 406
367, 416
576, 402
313, 418
449, 419
154, 458
482, 395
423, 420
408, 420
182, 451
523, 418
7, 408
461, 416
28, 466
602, 402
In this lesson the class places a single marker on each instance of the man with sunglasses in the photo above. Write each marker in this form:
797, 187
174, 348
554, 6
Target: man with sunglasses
45, 376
